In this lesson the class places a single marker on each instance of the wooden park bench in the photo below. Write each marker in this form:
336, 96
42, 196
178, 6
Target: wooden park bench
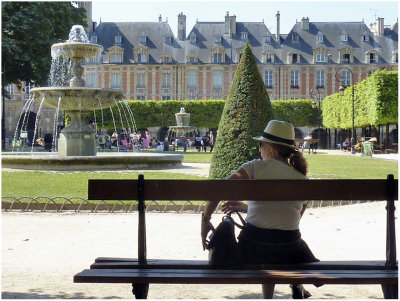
142, 271
312, 146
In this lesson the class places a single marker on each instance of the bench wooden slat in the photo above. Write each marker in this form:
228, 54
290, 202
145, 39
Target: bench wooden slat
195, 264
204, 276
241, 189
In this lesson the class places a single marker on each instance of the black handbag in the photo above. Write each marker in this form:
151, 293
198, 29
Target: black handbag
223, 246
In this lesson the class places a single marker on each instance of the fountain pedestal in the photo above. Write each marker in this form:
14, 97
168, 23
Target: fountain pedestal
78, 139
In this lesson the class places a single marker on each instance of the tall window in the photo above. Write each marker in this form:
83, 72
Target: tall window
90, 79
141, 80
269, 78
115, 81
372, 58
10, 89
346, 78
320, 78
115, 58
346, 58
320, 58
294, 79
217, 57
294, 58
217, 79
166, 80
28, 87
142, 58
192, 79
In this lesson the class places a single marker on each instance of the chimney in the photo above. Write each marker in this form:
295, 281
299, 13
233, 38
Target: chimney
227, 23
159, 18
305, 23
278, 24
232, 26
380, 28
181, 26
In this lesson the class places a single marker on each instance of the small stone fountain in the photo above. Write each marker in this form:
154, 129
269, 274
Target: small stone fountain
77, 143
182, 124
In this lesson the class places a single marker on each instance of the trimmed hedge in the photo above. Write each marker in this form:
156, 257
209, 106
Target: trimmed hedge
375, 103
203, 113
246, 112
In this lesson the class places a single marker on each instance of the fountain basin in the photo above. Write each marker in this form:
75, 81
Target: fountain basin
102, 161
76, 49
78, 98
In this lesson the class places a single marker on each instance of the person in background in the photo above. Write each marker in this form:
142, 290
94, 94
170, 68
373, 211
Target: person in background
271, 234
212, 141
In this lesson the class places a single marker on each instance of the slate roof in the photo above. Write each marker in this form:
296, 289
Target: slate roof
257, 31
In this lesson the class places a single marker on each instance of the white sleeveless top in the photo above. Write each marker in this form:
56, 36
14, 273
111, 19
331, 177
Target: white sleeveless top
283, 215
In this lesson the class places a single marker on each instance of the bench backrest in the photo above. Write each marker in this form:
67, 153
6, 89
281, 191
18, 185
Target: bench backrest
263, 190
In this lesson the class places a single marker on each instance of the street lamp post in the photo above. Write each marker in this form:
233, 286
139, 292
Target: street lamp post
341, 90
314, 105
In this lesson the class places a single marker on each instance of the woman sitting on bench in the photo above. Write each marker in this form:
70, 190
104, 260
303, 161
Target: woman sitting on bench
271, 234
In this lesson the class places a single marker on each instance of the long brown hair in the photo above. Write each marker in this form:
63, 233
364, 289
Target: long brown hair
292, 155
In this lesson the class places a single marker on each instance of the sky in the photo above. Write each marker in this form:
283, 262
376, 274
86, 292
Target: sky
245, 11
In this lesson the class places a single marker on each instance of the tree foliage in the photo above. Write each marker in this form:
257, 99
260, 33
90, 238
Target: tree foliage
28, 31
375, 103
246, 112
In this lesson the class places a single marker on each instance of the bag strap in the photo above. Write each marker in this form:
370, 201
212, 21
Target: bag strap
233, 221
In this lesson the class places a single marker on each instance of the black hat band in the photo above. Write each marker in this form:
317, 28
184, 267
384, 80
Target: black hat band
278, 139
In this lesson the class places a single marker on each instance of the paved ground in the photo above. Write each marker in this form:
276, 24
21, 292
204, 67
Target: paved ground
42, 251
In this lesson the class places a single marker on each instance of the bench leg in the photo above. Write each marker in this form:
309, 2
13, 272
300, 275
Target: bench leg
390, 291
140, 290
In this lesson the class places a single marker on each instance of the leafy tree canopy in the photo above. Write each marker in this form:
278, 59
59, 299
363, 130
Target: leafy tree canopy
28, 31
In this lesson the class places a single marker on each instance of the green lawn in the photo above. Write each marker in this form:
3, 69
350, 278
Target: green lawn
74, 184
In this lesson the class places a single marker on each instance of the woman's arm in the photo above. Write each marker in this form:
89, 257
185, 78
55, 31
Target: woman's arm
206, 225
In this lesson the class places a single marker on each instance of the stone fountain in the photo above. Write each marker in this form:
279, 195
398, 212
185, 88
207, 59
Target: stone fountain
182, 126
78, 139
77, 143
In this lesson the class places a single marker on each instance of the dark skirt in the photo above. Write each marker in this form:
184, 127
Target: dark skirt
258, 246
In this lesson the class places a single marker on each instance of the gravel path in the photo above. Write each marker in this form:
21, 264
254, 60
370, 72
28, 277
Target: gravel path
42, 251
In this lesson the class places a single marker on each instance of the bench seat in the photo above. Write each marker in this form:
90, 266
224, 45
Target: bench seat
239, 276
130, 263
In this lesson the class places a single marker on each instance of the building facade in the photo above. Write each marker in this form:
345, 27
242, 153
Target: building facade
147, 61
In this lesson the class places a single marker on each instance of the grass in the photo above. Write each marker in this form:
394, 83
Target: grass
349, 167
74, 184
68, 185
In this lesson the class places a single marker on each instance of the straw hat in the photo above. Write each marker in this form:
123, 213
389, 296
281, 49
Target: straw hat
278, 132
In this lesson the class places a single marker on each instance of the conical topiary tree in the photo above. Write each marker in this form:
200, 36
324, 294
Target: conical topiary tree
246, 113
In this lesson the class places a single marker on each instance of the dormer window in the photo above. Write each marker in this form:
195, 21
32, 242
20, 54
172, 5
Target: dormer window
244, 35
320, 38
295, 58
166, 59
191, 59
295, 37
168, 39
93, 39
141, 58
320, 58
193, 38
143, 39
365, 38
372, 58
346, 58
267, 39
217, 39
117, 39
344, 37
